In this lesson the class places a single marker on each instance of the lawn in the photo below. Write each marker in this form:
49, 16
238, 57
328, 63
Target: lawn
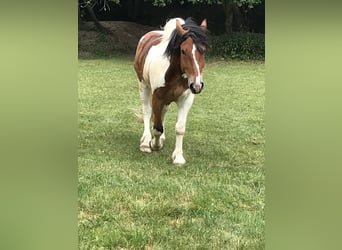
133, 200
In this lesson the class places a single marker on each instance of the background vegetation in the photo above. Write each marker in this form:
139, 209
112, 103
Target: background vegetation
236, 27
238, 45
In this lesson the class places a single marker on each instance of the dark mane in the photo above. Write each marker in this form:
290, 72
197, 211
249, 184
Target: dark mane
196, 32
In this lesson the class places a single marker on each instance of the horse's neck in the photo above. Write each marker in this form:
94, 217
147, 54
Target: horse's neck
174, 71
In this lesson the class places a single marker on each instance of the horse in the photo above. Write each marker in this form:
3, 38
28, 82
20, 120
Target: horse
169, 65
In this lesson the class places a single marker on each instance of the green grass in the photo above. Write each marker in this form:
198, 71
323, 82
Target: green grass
133, 200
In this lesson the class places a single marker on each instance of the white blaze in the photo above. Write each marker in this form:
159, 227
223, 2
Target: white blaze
198, 73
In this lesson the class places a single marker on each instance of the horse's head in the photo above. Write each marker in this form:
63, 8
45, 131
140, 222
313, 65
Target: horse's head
186, 48
191, 51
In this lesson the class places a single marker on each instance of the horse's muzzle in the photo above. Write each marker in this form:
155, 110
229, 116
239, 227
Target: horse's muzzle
196, 88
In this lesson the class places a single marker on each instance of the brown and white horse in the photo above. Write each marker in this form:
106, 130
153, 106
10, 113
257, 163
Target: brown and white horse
169, 66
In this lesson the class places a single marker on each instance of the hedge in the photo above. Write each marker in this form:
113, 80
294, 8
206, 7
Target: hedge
238, 45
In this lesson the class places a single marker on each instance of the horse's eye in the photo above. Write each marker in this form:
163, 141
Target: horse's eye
183, 52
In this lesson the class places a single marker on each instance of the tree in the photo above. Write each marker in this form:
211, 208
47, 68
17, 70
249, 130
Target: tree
90, 4
229, 6
134, 8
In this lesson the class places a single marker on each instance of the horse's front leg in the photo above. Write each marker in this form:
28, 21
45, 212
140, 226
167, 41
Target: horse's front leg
184, 104
159, 110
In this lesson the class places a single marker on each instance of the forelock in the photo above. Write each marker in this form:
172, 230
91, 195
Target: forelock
197, 33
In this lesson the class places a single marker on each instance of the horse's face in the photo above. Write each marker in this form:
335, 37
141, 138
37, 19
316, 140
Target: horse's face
192, 61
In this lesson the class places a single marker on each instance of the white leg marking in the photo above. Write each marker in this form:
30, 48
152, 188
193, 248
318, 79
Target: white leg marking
184, 104
156, 143
145, 95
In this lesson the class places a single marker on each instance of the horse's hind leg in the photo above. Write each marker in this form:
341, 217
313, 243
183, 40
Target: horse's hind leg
145, 95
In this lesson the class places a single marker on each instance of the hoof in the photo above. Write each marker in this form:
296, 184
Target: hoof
145, 148
178, 160
154, 147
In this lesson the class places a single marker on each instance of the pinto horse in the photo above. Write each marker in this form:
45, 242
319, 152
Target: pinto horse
169, 66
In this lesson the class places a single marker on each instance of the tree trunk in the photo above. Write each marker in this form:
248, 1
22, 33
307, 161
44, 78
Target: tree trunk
94, 19
228, 8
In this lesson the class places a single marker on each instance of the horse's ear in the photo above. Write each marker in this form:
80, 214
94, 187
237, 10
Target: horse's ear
180, 29
204, 24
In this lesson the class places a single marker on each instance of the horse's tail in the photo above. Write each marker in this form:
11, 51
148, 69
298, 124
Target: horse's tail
170, 26
138, 114
139, 117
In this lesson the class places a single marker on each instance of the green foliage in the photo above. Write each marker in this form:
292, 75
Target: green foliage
249, 3
162, 3
238, 45
104, 4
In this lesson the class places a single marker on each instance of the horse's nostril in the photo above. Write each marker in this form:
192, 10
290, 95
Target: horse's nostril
196, 89
192, 88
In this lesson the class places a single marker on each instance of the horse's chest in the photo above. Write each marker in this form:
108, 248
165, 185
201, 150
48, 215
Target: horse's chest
171, 91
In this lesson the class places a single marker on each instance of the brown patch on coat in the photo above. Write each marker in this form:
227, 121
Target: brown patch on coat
150, 39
